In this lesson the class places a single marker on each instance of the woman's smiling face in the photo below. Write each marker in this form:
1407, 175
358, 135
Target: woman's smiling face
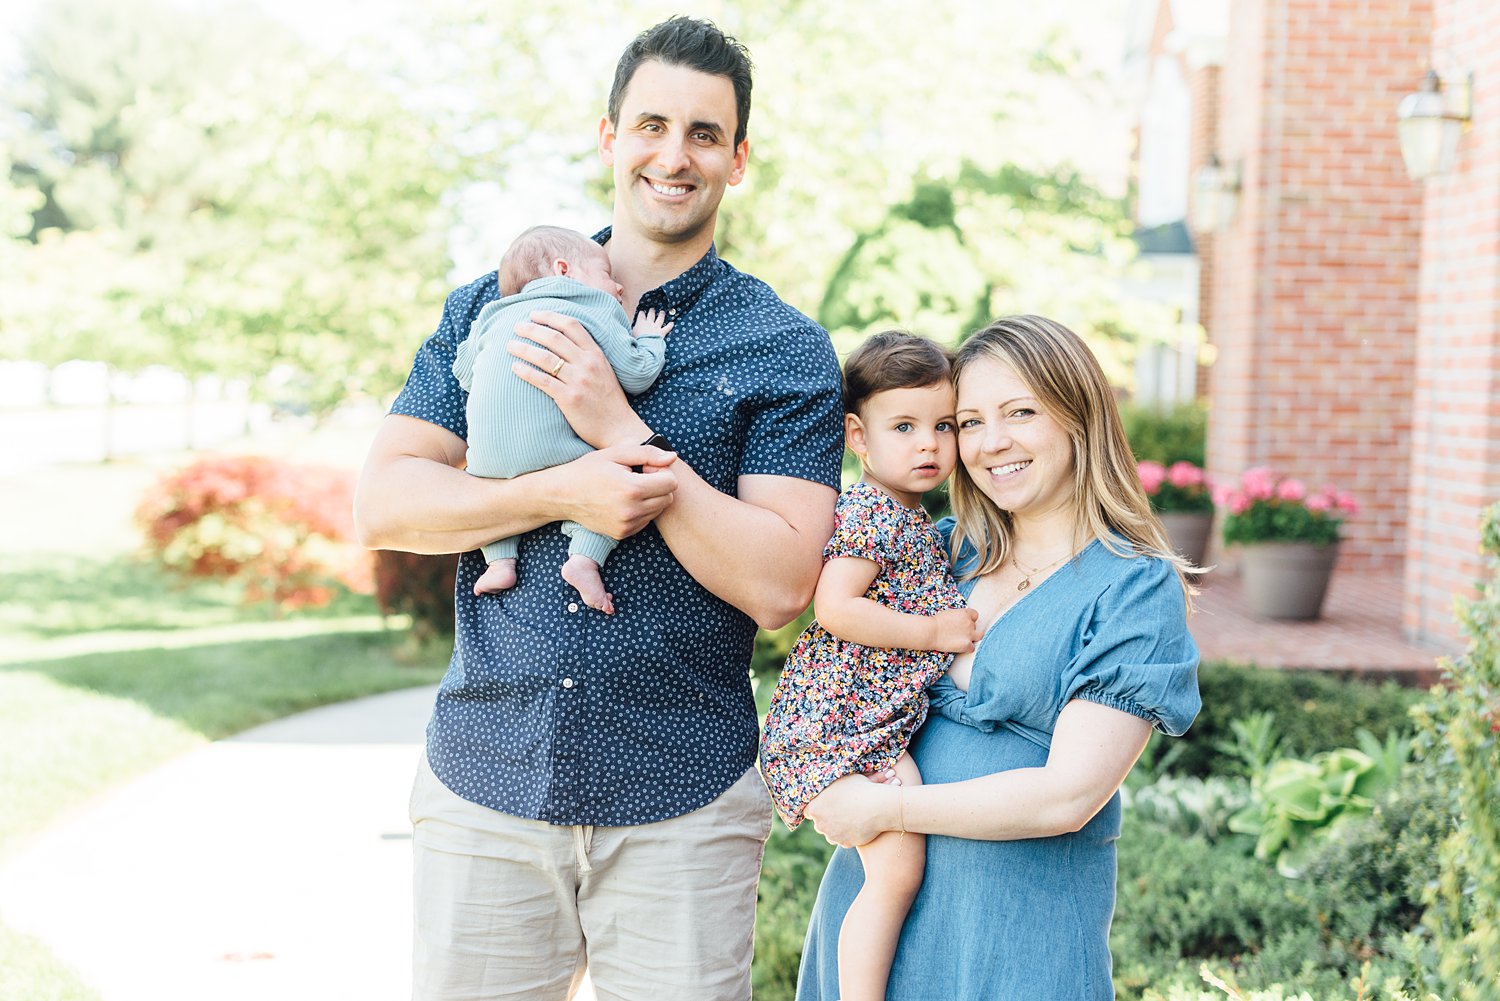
1016, 453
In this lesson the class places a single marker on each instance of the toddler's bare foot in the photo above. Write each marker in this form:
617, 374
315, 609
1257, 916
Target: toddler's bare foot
583, 574
498, 576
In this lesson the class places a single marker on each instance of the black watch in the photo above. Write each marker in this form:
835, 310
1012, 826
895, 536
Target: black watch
655, 441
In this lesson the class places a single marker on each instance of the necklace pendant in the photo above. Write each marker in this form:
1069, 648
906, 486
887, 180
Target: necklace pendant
1025, 583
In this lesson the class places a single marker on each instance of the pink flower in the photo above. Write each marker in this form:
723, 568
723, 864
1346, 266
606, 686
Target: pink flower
1239, 503
1291, 490
1346, 503
1319, 503
1152, 475
1224, 495
1259, 483
1184, 475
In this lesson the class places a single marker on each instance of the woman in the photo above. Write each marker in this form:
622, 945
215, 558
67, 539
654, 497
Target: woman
1085, 649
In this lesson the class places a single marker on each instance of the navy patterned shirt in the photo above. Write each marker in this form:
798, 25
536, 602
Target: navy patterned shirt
553, 711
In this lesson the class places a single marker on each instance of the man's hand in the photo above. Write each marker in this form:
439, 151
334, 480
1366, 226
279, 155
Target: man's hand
414, 495
556, 355
608, 496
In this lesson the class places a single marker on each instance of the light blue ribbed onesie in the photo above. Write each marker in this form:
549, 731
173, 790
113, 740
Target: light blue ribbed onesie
514, 427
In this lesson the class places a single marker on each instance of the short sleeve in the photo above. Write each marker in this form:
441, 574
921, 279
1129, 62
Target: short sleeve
1137, 654
432, 392
798, 429
860, 528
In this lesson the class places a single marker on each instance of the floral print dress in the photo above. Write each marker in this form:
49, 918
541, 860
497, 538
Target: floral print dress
841, 708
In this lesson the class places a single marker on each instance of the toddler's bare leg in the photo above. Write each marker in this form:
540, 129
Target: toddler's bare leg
583, 574
498, 576
894, 864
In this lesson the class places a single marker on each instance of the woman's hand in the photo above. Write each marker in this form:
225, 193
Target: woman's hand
855, 810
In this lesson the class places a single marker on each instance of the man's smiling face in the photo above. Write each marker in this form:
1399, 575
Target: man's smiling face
672, 151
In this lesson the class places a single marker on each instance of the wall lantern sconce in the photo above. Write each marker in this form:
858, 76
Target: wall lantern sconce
1216, 195
1429, 123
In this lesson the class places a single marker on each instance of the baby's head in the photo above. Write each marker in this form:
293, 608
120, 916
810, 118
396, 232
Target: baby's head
898, 413
547, 251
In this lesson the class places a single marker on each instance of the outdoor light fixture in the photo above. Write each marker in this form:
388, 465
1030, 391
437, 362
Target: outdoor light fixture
1429, 123
1216, 195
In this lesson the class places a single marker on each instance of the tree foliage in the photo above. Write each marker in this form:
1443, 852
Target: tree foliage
1460, 730
911, 165
205, 190
241, 200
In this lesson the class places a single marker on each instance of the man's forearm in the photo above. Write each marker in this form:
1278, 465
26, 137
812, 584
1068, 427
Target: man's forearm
761, 559
413, 495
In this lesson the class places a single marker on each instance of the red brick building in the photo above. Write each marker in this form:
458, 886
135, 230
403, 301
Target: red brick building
1353, 313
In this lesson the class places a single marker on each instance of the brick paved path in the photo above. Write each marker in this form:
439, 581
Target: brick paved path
1359, 633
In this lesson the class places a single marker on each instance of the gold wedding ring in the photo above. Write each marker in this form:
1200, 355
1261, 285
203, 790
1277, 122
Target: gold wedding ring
557, 368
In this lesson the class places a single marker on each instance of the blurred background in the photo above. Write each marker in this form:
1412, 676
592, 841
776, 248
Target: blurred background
237, 211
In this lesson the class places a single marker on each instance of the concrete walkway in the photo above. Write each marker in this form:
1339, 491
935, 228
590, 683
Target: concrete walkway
276, 864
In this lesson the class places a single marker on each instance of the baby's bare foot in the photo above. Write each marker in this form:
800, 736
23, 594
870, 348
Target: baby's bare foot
583, 574
498, 576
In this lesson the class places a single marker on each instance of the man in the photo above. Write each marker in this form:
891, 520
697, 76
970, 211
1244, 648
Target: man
588, 797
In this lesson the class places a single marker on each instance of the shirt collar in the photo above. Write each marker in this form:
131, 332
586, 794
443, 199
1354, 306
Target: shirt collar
681, 292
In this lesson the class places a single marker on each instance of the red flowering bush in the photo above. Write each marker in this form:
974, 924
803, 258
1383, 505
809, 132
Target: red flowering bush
1180, 487
1269, 507
285, 532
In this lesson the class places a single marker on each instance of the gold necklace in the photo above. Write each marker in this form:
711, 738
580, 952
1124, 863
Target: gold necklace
1027, 574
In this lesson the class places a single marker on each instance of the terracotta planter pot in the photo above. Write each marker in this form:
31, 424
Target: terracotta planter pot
1287, 580
1188, 533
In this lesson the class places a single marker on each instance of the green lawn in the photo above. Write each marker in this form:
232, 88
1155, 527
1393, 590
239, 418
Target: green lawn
109, 667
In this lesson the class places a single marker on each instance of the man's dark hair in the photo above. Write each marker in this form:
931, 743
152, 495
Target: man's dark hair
698, 45
893, 359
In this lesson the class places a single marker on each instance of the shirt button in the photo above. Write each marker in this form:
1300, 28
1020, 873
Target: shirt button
671, 312
572, 606
567, 682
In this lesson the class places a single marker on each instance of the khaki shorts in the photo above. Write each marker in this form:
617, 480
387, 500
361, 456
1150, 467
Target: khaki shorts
513, 908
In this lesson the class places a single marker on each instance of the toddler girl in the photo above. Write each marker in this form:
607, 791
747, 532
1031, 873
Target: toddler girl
889, 620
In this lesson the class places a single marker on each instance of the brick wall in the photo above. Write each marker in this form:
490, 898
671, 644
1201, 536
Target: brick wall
1203, 142
1314, 301
1456, 455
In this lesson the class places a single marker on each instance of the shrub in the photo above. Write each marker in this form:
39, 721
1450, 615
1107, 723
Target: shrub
1314, 712
1461, 739
1183, 902
1189, 805
419, 586
1178, 434
1181, 899
789, 879
284, 532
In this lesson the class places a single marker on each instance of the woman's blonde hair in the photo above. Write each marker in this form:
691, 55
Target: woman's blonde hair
1067, 381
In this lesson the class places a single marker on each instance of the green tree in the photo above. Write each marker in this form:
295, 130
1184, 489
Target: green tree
861, 111
209, 192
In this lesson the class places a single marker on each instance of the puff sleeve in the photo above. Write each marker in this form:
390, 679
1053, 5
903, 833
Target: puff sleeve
861, 527
1137, 655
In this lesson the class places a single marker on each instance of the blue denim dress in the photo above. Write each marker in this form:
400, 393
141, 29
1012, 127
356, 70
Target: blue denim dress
1026, 920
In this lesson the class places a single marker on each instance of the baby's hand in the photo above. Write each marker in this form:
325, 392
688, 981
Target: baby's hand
651, 321
955, 630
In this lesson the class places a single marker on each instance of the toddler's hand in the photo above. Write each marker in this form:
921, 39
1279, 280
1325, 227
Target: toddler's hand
955, 630
651, 321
